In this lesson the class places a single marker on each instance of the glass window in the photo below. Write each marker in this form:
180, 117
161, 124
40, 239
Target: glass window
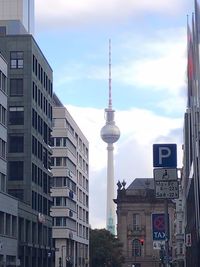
2, 222
2, 182
16, 170
136, 221
16, 87
58, 201
58, 161
58, 221
8, 224
16, 60
58, 141
3, 82
2, 148
16, 115
136, 248
2, 30
16, 144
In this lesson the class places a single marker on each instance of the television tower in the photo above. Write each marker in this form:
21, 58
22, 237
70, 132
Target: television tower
110, 133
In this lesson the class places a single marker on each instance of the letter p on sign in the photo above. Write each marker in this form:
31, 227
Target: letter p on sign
165, 155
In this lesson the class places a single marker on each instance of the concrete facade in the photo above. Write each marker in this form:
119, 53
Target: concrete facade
135, 206
8, 205
29, 127
70, 190
18, 10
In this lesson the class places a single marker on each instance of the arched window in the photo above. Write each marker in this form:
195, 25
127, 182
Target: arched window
136, 248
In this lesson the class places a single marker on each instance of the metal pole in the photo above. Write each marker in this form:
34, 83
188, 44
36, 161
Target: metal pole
166, 234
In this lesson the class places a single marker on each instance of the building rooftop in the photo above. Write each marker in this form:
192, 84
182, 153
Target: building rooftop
141, 183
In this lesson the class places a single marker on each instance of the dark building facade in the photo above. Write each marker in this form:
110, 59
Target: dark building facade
30, 95
191, 162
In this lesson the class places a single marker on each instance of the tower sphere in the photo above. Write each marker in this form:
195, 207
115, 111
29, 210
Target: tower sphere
110, 133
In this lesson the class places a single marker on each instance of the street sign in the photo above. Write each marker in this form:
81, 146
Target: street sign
166, 189
165, 155
162, 174
158, 244
158, 226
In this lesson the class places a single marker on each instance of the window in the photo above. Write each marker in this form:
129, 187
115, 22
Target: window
58, 161
16, 115
8, 224
2, 182
16, 144
58, 141
136, 221
18, 193
2, 30
2, 115
2, 149
3, 83
14, 226
16, 87
2, 222
58, 221
58, 201
16, 60
16, 170
136, 248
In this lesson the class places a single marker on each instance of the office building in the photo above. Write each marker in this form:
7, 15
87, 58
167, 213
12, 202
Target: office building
70, 189
191, 159
8, 205
18, 10
141, 225
28, 151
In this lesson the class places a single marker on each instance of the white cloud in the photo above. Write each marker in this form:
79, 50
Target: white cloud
79, 12
140, 129
158, 63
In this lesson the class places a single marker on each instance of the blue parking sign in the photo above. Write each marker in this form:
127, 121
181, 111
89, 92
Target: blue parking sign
165, 155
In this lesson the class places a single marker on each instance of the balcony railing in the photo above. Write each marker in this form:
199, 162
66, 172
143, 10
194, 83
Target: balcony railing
136, 230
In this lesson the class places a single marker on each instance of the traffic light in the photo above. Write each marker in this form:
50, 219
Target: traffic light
162, 255
60, 262
141, 242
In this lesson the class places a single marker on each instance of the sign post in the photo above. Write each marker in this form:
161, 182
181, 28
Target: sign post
165, 182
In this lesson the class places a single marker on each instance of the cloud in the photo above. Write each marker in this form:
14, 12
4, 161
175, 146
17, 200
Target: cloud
77, 12
140, 129
158, 63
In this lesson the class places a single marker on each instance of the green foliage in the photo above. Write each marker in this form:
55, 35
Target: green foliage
105, 249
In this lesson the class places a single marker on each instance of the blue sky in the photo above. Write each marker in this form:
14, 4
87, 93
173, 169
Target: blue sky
149, 52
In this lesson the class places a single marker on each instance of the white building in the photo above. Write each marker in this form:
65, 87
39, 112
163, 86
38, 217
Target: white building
18, 10
69, 191
8, 205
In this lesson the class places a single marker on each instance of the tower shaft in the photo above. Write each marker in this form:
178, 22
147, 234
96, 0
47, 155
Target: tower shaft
110, 212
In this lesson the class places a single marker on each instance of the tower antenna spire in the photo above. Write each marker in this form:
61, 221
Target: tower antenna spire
110, 80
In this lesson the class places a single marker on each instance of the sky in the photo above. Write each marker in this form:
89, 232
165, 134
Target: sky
149, 82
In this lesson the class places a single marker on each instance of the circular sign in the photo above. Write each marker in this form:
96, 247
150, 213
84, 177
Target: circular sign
159, 223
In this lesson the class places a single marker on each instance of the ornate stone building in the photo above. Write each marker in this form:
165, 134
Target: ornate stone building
135, 207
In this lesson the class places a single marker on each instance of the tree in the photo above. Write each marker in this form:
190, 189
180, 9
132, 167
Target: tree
105, 249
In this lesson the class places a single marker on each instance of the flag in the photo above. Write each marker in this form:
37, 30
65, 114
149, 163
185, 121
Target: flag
190, 64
